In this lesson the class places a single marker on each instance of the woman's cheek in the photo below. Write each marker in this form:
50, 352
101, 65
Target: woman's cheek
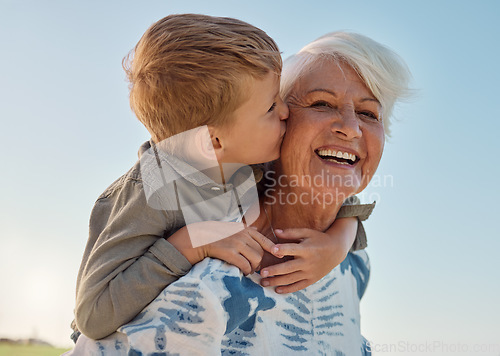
378, 145
375, 141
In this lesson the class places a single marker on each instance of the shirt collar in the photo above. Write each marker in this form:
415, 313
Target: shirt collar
243, 178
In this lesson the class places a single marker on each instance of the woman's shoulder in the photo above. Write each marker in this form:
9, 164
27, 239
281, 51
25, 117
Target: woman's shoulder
357, 265
361, 257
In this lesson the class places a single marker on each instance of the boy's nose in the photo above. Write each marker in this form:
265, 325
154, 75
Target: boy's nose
284, 112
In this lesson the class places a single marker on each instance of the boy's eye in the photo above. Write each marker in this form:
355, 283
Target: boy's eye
271, 109
368, 114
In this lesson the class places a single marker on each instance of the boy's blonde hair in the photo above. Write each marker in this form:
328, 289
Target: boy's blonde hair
191, 70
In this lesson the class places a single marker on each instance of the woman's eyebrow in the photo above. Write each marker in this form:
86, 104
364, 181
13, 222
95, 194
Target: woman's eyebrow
332, 93
370, 99
323, 90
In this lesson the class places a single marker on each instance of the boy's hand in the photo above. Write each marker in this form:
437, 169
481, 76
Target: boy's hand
314, 253
244, 248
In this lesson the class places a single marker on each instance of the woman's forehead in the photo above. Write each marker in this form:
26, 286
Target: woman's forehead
333, 78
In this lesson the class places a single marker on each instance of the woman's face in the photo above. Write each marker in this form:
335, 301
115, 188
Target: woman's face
335, 135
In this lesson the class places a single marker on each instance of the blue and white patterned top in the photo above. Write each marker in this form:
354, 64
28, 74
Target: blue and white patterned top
215, 310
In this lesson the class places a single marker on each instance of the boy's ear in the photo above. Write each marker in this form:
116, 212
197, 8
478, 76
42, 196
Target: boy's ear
216, 144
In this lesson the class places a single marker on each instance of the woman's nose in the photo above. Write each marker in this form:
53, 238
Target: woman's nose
346, 124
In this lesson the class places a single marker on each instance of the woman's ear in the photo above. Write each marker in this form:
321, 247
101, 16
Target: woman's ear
216, 142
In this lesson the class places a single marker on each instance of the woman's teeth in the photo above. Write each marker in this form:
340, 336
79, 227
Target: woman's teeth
332, 155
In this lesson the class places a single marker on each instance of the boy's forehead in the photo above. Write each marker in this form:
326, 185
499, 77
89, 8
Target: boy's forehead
269, 81
259, 93
266, 86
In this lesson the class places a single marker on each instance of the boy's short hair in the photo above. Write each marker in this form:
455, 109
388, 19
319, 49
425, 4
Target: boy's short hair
190, 70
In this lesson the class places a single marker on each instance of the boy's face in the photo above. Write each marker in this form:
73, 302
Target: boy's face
258, 126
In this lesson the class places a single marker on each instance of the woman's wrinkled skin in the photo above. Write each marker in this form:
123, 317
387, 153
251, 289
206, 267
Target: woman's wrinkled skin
330, 108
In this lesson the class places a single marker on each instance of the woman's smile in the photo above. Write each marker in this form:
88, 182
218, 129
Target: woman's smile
338, 155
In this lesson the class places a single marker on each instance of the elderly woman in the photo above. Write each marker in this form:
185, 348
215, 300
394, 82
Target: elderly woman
340, 89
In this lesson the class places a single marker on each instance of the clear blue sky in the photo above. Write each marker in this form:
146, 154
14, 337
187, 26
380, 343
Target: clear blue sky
67, 133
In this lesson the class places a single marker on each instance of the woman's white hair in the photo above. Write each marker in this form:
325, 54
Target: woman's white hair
383, 71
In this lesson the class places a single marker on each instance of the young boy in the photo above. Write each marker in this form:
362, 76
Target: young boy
207, 89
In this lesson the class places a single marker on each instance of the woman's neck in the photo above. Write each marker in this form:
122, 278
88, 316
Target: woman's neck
291, 207
278, 214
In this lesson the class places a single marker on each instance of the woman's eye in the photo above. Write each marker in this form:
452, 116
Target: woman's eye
368, 114
320, 104
271, 109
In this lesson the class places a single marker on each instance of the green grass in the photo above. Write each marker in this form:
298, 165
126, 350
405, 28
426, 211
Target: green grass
29, 350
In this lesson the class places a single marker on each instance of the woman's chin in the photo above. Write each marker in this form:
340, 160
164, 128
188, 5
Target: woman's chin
335, 178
